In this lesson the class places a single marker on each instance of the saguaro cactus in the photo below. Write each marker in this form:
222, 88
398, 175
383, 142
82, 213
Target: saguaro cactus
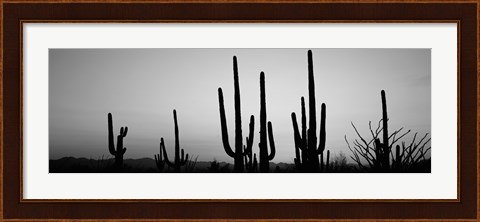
180, 159
380, 157
307, 142
119, 150
159, 161
238, 154
300, 141
382, 150
264, 156
385, 145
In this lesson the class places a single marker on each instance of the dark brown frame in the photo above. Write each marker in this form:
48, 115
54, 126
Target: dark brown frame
15, 13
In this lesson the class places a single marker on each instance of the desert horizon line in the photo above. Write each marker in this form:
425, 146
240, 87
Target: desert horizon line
308, 158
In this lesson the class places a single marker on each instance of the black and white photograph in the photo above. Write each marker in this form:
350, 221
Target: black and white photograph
239, 110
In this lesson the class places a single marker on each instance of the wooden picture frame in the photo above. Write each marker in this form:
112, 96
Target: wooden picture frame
13, 13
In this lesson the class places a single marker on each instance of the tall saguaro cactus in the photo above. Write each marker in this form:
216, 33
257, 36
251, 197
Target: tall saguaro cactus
264, 156
119, 150
180, 159
382, 150
386, 147
307, 142
238, 154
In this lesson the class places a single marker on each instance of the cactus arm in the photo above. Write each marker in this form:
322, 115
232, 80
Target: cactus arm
251, 133
162, 147
184, 158
304, 124
111, 146
272, 142
247, 151
296, 134
297, 141
156, 159
321, 144
159, 159
223, 123
120, 149
303, 140
312, 129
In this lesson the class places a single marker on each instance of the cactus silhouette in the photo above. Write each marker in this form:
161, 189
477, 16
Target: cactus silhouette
300, 141
380, 157
119, 150
307, 142
263, 154
238, 154
247, 149
382, 150
159, 161
385, 147
180, 158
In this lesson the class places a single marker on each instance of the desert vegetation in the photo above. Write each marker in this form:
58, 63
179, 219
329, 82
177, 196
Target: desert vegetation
376, 155
383, 151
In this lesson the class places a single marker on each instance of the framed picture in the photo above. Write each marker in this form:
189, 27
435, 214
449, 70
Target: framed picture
239, 110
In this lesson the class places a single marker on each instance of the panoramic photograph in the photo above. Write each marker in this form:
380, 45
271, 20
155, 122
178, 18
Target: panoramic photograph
240, 110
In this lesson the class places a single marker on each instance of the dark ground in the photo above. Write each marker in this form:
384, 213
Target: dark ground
147, 165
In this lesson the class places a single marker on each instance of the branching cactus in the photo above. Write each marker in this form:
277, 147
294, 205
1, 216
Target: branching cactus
159, 161
119, 150
247, 149
265, 157
238, 154
307, 142
300, 141
180, 157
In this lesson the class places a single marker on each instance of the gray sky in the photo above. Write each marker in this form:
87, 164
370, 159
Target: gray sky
141, 87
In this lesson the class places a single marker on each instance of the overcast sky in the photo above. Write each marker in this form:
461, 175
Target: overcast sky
141, 87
